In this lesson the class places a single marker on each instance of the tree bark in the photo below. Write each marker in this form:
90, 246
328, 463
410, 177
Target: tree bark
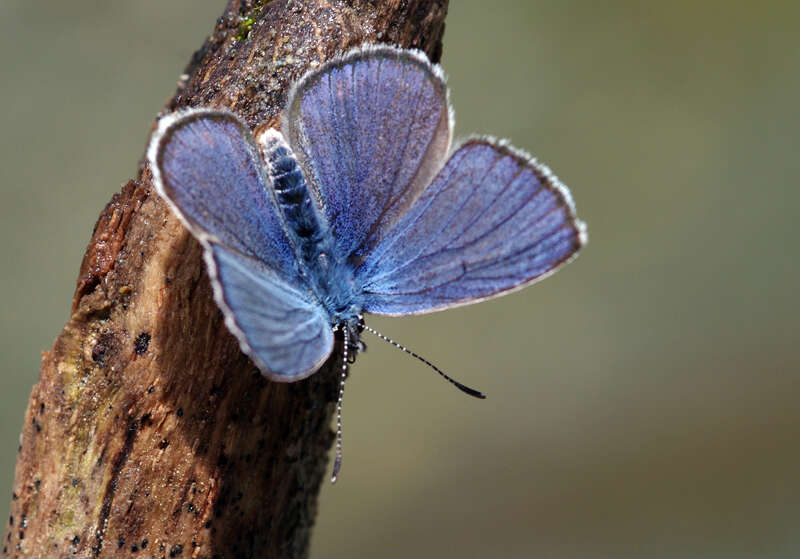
149, 432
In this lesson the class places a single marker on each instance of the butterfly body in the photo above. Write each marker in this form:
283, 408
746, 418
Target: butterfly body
329, 275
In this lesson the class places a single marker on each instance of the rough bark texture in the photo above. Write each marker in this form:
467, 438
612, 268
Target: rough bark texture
149, 433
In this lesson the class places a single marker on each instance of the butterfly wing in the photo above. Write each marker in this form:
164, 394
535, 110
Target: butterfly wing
370, 130
281, 328
493, 220
207, 166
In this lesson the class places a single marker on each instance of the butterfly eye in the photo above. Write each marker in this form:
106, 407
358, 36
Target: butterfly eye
355, 260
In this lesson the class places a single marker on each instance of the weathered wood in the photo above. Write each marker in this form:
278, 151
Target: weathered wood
149, 431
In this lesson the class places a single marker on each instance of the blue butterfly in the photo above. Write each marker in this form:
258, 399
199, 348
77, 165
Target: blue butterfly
357, 205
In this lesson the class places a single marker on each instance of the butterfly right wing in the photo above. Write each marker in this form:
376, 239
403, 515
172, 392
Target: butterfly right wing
492, 221
207, 166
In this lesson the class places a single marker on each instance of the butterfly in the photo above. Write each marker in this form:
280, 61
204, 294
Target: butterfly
358, 204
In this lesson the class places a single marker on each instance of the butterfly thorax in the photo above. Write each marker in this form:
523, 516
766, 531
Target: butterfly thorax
328, 275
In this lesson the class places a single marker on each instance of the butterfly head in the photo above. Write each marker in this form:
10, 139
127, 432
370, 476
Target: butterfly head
350, 328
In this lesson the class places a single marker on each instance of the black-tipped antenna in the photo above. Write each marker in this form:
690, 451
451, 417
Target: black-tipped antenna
337, 463
461, 387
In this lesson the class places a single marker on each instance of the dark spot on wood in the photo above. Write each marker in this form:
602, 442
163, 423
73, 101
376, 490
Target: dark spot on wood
21, 535
24, 522
180, 412
75, 482
222, 501
141, 343
103, 348
176, 550
41, 408
134, 548
111, 488
163, 444
190, 507
37, 483
151, 389
76, 540
120, 543
144, 543
11, 520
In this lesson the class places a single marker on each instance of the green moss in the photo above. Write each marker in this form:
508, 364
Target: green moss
244, 28
246, 21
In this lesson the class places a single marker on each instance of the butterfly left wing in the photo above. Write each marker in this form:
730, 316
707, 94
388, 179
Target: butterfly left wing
207, 166
284, 331
492, 220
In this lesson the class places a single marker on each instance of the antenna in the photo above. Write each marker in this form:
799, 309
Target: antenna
463, 388
337, 463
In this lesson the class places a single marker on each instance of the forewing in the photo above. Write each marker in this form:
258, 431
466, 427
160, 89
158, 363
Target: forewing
283, 330
370, 130
492, 220
207, 166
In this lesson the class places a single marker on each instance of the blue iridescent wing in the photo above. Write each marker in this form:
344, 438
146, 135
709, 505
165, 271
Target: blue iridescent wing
370, 130
493, 220
207, 166
281, 328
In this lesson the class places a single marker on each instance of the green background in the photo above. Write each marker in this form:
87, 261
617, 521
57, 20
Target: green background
642, 402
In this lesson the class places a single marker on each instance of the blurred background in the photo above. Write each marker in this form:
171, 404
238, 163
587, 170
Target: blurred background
642, 402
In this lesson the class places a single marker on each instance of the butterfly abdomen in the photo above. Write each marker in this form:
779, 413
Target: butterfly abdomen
293, 196
329, 276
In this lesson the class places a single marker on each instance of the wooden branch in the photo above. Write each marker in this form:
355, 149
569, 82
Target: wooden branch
149, 432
